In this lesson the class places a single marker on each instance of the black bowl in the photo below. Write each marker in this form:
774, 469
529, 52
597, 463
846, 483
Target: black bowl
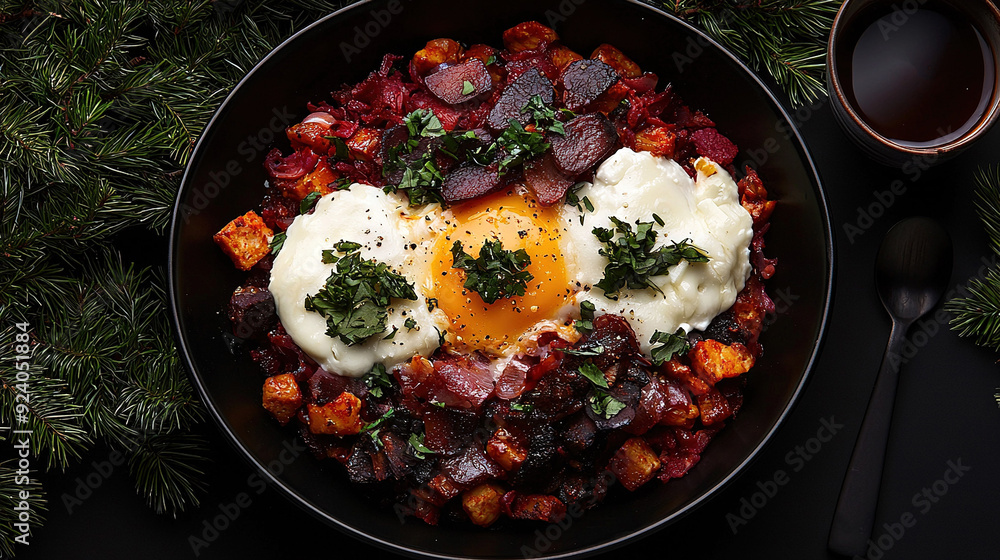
225, 178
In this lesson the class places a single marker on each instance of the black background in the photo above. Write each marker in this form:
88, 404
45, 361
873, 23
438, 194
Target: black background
945, 412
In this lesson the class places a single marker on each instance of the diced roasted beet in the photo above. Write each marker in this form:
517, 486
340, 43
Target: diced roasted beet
584, 81
558, 394
616, 336
545, 180
583, 490
516, 96
468, 182
471, 467
651, 409
397, 453
626, 393
580, 433
542, 461
359, 466
251, 310
716, 147
461, 82
448, 431
324, 386
589, 139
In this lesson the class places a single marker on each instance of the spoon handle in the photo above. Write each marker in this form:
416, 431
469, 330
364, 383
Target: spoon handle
855, 514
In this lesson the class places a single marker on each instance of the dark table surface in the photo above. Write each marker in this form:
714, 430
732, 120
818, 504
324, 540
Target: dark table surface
945, 424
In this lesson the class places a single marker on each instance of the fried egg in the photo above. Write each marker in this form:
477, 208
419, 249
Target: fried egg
565, 261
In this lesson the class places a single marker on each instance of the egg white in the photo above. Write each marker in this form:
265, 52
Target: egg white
388, 233
628, 185
633, 186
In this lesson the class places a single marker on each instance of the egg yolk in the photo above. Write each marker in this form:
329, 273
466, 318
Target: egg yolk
518, 222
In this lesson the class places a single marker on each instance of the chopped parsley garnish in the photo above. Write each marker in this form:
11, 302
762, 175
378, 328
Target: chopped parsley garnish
340, 152
519, 145
422, 123
522, 407
421, 179
594, 374
497, 273
410, 324
467, 87
632, 260
544, 116
585, 351
309, 201
420, 450
603, 404
586, 322
356, 295
665, 345
277, 242
374, 428
377, 380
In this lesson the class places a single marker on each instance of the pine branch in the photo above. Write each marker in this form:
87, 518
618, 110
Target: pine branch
168, 472
977, 315
787, 38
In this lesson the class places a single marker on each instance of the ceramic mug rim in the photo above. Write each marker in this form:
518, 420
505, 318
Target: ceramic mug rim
980, 128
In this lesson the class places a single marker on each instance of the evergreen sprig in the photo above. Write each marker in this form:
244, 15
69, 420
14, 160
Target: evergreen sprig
787, 38
101, 104
977, 313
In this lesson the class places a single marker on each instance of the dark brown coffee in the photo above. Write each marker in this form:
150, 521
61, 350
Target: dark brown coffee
918, 73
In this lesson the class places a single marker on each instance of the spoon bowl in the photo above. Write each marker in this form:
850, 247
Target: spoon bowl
912, 270
908, 282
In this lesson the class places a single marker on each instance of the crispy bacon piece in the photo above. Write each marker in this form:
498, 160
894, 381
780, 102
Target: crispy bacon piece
245, 240
617, 60
529, 35
482, 504
460, 382
282, 397
712, 360
435, 53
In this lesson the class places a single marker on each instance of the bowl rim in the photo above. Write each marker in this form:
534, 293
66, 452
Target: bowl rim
293, 496
838, 95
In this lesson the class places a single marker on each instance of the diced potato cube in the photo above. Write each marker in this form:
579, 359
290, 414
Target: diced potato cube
342, 417
635, 463
657, 140
616, 59
312, 135
319, 180
437, 51
482, 504
364, 144
246, 240
712, 360
528, 35
282, 397
561, 56
502, 448
683, 373
714, 407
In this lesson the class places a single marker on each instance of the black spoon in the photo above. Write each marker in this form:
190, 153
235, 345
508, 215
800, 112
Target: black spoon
911, 273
